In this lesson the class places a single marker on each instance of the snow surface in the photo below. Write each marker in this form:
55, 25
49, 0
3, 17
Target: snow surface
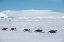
20, 36
33, 13
3, 15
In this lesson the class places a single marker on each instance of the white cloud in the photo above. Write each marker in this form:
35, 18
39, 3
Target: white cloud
34, 13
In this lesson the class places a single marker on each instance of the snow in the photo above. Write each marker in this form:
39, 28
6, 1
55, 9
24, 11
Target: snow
34, 13
20, 36
3, 15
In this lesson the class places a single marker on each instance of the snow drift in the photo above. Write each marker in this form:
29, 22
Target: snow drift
34, 13
2, 15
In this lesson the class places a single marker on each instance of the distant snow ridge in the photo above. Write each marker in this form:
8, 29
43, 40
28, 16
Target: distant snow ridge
2, 15
33, 13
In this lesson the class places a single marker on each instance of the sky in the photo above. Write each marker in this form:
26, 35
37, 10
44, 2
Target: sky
55, 5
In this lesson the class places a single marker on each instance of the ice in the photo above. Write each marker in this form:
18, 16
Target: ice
20, 36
